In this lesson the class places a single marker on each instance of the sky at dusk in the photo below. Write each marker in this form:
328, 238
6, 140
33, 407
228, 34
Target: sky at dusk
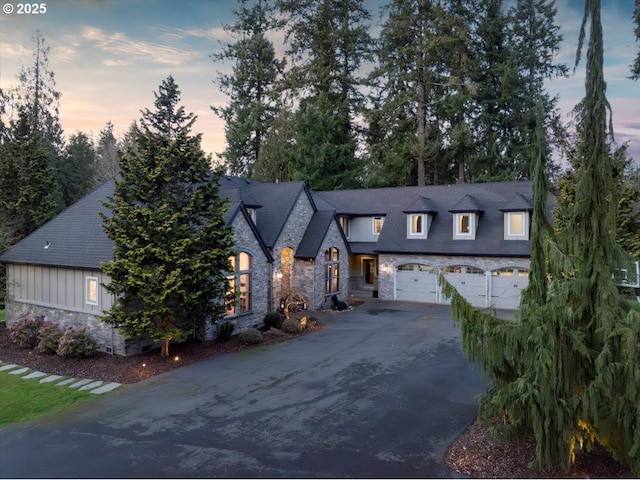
109, 56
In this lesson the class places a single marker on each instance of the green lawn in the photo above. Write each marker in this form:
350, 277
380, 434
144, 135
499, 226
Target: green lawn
24, 400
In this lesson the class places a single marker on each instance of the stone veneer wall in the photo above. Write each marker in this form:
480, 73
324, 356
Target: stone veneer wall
245, 241
389, 262
332, 239
108, 338
290, 236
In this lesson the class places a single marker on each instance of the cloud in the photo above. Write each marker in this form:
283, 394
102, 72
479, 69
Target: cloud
123, 50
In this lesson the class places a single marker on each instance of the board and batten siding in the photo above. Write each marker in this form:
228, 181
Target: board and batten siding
56, 287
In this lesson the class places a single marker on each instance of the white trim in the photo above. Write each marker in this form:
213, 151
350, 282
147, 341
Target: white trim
87, 300
523, 229
373, 224
458, 220
423, 221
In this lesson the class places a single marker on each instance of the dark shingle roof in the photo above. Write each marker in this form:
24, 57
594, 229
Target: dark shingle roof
76, 237
517, 204
314, 234
421, 205
445, 199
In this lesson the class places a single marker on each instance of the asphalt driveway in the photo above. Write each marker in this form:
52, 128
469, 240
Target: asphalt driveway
380, 391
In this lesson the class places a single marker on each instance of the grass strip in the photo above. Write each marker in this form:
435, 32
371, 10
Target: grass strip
23, 400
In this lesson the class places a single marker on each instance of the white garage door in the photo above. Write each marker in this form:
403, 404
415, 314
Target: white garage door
507, 285
416, 283
471, 283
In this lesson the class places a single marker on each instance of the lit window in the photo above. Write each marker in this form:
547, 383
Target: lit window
515, 223
377, 225
417, 224
331, 270
464, 223
91, 293
252, 214
240, 283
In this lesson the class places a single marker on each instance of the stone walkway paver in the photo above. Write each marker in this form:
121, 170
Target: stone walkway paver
97, 387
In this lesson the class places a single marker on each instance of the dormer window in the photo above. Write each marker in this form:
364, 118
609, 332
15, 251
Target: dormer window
344, 223
516, 218
516, 225
417, 224
419, 216
465, 218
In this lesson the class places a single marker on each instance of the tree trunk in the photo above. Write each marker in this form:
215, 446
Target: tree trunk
165, 346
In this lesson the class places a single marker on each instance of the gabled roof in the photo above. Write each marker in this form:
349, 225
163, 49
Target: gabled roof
314, 234
421, 205
75, 237
238, 209
517, 204
468, 204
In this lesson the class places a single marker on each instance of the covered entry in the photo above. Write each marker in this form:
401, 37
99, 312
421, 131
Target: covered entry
416, 283
507, 285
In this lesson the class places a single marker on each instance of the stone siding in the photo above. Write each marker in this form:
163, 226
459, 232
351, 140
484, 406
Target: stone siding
245, 241
333, 238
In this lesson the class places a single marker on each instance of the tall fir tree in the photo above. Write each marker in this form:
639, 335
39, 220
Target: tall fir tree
568, 370
172, 245
77, 168
251, 86
107, 156
635, 66
328, 41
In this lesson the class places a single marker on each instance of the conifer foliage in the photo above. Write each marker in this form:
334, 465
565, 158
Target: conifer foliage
172, 244
567, 370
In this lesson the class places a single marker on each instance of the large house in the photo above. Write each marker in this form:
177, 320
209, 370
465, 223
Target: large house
389, 243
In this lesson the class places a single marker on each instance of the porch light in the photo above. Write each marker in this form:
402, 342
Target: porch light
279, 275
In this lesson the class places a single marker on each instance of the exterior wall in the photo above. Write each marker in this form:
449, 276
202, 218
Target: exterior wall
333, 238
389, 263
245, 241
291, 235
361, 229
56, 287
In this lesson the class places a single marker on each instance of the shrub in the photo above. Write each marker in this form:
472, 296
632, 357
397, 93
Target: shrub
291, 325
274, 332
49, 338
250, 337
225, 330
273, 320
74, 342
24, 331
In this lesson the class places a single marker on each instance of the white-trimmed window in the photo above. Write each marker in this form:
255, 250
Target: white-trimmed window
240, 283
417, 221
377, 225
91, 290
515, 224
464, 224
331, 270
252, 214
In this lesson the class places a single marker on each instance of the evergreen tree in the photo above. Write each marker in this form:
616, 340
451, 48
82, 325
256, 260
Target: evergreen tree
275, 159
107, 156
77, 168
251, 87
172, 245
568, 370
328, 42
402, 123
635, 67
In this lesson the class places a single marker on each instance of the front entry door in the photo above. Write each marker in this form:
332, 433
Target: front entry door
369, 268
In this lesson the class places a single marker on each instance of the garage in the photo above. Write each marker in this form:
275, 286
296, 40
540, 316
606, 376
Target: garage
416, 283
471, 283
507, 285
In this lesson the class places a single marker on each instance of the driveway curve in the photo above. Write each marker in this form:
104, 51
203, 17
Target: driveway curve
380, 391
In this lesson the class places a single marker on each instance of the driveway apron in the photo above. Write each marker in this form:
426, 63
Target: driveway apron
380, 391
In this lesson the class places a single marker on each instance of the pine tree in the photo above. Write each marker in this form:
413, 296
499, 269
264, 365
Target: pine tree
251, 87
635, 67
172, 245
567, 370
275, 159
